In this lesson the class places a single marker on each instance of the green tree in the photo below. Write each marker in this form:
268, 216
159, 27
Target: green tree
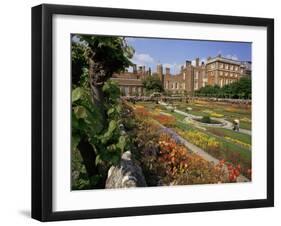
153, 84
106, 55
239, 89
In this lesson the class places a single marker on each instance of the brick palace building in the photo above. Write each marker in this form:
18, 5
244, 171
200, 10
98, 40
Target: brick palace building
216, 71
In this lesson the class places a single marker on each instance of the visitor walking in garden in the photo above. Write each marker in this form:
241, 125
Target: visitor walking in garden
236, 125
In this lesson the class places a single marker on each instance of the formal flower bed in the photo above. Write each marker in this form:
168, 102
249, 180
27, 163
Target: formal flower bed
216, 115
218, 149
184, 167
248, 146
163, 160
200, 139
165, 120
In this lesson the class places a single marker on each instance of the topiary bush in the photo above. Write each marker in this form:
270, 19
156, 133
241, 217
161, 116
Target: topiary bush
206, 119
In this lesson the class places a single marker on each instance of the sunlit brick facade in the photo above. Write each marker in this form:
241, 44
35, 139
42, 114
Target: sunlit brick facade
192, 76
222, 71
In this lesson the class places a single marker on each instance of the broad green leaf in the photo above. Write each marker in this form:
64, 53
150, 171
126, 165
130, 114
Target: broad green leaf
98, 160
77, 94
107, 136
122, 143
74, 121
80, 112
112, 126
110, 111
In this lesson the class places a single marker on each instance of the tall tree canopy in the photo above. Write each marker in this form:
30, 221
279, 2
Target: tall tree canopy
153, 84
239, 89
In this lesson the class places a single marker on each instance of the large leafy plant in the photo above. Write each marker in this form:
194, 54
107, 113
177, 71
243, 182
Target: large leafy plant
108, 142
97, 133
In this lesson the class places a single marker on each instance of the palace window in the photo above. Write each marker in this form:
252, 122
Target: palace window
183, 75
226, 74
196, 75
231, 67
236, 68
226, 66
196, 85
221, 65
127, 91
221, 73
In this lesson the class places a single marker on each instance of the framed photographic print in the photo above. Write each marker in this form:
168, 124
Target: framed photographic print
146, 112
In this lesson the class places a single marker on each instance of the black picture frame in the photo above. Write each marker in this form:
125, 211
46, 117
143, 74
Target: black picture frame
42, 111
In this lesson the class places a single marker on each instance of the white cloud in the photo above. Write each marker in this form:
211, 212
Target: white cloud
193, 62
229, 56
233, 57
175, 67
143, 59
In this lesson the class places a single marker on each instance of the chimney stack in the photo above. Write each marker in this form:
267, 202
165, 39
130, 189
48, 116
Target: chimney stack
167, 70
140, 70
134, 68
197, 62
187, 63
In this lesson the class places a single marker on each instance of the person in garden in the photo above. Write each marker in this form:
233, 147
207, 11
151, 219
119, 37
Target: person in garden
236, 125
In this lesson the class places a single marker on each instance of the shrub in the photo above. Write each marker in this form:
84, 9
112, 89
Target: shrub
206, 119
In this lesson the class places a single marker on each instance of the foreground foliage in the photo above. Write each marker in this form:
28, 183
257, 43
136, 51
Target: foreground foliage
97, 136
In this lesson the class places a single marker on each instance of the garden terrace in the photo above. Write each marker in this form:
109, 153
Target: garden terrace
221, 143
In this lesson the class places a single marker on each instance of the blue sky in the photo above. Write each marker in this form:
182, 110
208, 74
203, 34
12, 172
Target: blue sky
173, 53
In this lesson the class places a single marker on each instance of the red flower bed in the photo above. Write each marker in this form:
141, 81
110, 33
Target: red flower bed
165, 120
184, 167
